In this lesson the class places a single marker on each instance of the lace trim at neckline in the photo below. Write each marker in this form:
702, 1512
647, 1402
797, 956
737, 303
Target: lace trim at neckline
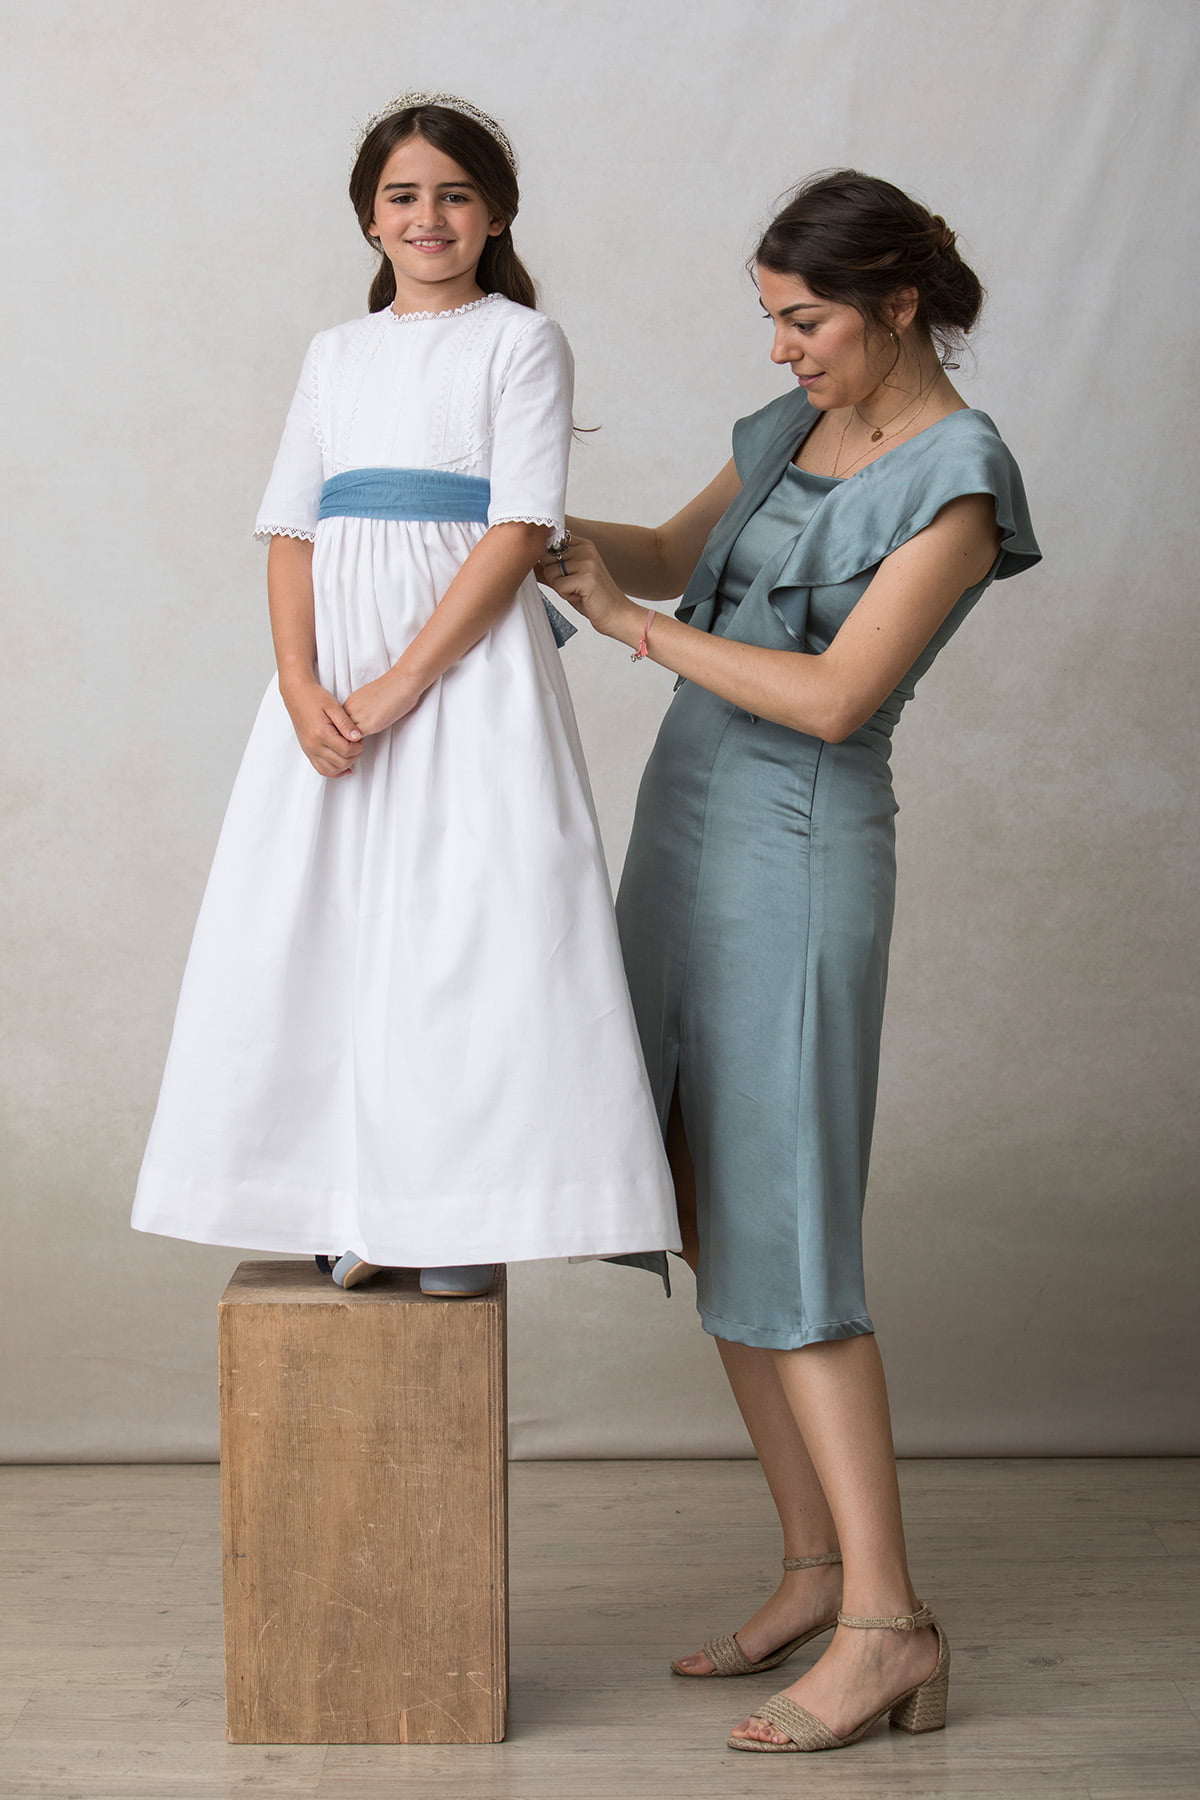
448, 312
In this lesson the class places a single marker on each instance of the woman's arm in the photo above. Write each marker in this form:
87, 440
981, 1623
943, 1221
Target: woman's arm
828, 695
328, 737
482, 590
657, 562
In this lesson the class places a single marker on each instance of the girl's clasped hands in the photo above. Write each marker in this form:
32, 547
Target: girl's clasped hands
333, 735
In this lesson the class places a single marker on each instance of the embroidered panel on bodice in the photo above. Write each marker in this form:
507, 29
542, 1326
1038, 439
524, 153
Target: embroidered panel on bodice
411, 394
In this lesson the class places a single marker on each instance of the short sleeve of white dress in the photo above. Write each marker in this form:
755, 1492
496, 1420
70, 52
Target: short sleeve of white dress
531, 430
289, 506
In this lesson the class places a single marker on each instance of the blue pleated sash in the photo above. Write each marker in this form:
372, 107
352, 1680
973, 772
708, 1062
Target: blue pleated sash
411, 494
417, 495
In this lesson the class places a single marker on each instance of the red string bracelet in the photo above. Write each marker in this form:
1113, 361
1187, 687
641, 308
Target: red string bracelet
643, 647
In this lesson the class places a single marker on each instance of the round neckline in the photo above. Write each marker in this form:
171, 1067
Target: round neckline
841, 480
444, 312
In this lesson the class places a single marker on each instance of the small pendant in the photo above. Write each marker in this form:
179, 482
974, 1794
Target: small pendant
876, 435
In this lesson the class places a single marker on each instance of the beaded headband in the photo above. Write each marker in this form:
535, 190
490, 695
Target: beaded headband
454, 103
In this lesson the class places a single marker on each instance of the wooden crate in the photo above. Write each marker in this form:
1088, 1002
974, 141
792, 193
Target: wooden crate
364, 1507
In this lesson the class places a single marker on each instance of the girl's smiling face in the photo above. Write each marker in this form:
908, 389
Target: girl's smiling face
835, 355
430, 217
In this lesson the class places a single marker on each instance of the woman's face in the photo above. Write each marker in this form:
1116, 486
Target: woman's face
430, 217
836, 356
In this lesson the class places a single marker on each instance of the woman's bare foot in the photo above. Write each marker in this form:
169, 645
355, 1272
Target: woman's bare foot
860, 1673
804, 1598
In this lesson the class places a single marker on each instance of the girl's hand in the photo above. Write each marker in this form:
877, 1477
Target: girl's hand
328, 736
589, 588
381, 703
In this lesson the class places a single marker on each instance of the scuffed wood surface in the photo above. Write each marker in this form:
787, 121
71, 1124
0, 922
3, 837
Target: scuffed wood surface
363, 1488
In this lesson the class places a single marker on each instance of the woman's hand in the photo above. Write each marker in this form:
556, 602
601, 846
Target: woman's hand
328, 736
383, 702
587, 586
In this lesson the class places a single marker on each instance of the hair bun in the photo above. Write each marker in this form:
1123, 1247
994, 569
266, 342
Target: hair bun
856, 239
944, 239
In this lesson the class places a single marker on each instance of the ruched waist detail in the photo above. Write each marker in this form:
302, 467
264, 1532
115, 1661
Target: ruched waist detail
436, 495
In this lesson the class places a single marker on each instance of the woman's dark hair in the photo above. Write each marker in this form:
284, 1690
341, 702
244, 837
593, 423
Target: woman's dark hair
474, 149
854, 238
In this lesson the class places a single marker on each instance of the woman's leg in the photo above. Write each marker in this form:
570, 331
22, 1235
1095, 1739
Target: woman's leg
804, 1597
838, 1398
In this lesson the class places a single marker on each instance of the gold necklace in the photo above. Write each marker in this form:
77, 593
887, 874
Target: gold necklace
879, 430
841, 442
877, 434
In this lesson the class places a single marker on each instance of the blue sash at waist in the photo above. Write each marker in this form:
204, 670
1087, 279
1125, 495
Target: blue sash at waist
413, 494
417, 495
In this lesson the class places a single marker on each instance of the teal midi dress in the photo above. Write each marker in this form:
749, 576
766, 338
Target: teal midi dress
756, 902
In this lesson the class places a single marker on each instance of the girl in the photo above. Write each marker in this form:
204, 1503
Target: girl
860, 519
404, 1031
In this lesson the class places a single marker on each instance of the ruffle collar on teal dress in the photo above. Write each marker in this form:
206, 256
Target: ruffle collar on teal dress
864, 518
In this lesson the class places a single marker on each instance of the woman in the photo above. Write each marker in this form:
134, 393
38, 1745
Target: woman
858, 522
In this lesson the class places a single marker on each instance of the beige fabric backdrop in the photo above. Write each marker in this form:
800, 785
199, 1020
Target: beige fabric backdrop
177, 230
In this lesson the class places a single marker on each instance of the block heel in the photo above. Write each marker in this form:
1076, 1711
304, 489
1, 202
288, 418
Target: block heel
925, 1708
922, 1708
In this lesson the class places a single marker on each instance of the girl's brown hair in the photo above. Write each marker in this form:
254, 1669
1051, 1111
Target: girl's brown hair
473, 147
856, 239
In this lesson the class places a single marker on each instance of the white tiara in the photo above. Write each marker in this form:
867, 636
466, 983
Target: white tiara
454, 102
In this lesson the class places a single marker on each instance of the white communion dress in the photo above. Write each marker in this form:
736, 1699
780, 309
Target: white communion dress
404, 1027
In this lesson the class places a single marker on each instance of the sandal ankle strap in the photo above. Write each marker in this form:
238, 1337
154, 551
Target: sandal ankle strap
812, 1562
913, 1621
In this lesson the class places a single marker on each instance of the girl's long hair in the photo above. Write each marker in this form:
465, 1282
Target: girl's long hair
474, 149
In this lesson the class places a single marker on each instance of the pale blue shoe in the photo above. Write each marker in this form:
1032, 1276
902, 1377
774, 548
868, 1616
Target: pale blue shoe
458, 1283
351, 1270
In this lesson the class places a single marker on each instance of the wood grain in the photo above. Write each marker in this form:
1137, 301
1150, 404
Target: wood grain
364, 1511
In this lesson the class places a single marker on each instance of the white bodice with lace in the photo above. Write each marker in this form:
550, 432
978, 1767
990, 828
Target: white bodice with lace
483, 389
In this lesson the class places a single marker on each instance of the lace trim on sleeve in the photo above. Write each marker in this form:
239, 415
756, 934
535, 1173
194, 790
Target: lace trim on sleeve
264, 533
527, 519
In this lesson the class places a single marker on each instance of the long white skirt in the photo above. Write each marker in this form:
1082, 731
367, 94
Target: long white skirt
404, 1027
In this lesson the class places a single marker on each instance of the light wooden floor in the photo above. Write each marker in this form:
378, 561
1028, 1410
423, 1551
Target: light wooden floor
1068, 1589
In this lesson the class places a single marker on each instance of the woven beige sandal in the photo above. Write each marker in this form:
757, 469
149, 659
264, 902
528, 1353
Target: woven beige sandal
726, 1654
922, 1708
